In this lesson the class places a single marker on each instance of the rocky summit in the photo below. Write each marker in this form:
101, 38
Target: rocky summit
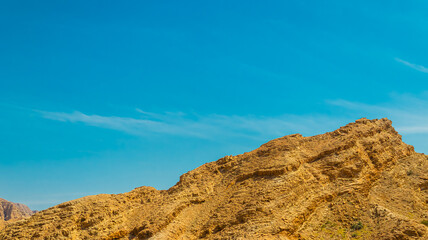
11, 212
357, 182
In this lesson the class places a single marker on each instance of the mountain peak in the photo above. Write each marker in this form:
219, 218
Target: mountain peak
356, 181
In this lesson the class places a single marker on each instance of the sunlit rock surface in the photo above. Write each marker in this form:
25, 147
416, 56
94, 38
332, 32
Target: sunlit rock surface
358, 182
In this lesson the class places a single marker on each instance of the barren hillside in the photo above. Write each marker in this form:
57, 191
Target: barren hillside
358, 182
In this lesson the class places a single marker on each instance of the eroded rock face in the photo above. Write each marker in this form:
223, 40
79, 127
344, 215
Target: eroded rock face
11, 212
358, 182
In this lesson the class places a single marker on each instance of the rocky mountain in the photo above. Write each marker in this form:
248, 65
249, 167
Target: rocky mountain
11, 212
357, 182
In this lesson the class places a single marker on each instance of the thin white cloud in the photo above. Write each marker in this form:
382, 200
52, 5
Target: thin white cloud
128, 125
202, 126
409, 114
420, 68
414, 129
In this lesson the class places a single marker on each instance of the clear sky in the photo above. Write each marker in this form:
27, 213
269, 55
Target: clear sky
105, 96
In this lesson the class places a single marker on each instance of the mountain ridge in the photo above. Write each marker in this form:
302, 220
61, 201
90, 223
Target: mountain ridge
359, 181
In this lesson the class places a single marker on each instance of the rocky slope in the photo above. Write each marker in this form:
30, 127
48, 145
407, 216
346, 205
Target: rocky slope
358, 182
11, 212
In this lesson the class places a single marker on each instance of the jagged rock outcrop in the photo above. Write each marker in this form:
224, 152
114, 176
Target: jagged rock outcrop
358, 182
11, 212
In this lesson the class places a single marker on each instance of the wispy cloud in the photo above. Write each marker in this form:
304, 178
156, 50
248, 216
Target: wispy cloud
409, 114
202, 126
420, 68
135, 126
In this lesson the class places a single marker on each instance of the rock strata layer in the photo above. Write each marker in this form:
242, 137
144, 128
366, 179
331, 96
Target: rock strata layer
358, 182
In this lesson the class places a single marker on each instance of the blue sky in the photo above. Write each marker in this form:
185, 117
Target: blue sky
105, 96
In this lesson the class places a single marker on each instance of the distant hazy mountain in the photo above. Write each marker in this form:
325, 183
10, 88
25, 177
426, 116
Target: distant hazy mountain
11, 212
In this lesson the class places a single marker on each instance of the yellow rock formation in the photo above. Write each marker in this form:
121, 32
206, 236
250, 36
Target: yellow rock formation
358, 182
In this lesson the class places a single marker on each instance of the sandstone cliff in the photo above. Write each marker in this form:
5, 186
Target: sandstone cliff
11, 212
358, 182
